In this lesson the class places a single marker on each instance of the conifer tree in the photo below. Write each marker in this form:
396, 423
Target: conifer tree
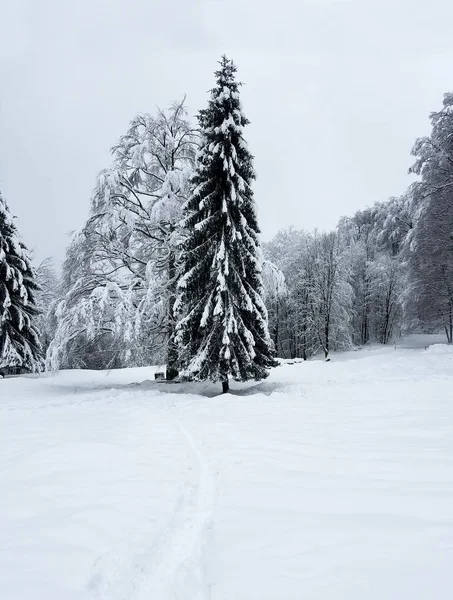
222, 331
19, 341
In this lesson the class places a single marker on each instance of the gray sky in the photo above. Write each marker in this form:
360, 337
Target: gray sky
337, 92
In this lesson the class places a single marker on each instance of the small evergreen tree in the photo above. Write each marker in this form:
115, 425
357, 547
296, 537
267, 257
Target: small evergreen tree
19, 340
223, 329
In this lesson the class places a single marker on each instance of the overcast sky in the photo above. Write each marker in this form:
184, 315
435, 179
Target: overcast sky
336, 92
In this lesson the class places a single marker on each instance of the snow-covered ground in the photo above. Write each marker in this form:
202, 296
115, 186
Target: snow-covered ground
328, 480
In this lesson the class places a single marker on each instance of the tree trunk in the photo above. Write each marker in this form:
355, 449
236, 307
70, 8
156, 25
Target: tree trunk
326, 335
365, 334
304, 339
172, 351
225, 386
450, 337
172, 359
277, 317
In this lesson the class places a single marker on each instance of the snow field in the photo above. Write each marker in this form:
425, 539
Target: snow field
328, 480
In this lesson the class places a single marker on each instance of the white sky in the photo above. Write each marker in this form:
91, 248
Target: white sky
337, 92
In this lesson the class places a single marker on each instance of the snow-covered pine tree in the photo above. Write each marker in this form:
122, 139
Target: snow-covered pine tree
223, 330
19, 339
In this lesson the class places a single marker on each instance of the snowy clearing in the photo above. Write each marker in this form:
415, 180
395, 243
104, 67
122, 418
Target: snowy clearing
328, 480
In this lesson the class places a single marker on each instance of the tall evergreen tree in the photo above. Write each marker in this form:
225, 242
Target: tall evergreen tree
19, 341
223, 329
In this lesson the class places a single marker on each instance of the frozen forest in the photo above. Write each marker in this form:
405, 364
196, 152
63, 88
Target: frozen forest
168, 268
190, 412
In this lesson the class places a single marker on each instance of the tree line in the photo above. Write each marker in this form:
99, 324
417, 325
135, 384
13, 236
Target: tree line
168, 268
385, 271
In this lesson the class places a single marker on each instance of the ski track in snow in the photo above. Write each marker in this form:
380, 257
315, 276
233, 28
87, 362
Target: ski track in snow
172, 568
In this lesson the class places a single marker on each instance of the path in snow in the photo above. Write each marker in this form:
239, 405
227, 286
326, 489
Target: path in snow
174, 568
171, 565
